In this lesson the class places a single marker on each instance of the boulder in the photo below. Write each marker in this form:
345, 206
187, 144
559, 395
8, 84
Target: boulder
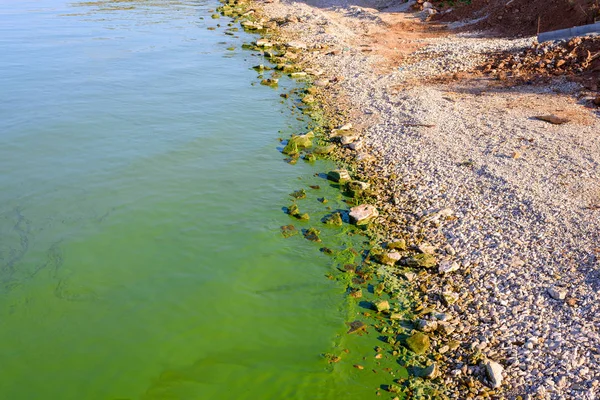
390, 258
383, 305
418, 343
397, 245
297, 142
338, 175
355, 188
333, 219
363, 214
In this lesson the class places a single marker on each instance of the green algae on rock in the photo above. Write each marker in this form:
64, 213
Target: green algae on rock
421, 260
333, 219
418, 343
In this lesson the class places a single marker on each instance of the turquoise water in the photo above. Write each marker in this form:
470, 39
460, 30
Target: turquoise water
141, 201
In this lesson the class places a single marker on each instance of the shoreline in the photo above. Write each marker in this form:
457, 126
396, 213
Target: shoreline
464, 173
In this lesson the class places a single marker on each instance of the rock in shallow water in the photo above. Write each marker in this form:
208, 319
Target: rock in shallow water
338, 175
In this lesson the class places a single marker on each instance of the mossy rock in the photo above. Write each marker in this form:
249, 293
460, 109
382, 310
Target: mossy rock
324, 150
397, 245
288, 231
421, 261
312, 234
418, 343
297, 142
299, 194
333, 219
356, 188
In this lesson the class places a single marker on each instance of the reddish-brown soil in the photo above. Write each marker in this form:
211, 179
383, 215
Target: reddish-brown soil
522, 17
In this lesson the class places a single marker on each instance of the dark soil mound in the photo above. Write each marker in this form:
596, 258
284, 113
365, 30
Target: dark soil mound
521, 17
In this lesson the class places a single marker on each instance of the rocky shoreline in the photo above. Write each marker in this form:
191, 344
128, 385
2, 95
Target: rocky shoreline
486, 220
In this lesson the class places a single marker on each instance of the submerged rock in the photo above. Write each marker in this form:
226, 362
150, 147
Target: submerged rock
299, 194
363, 214
338, 175
288, 231
333, 219
356, 326
312, 234
418, 343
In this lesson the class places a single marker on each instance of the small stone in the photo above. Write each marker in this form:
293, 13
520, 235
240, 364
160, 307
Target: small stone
418, 343
363, 214
397, 245
390, 258
427, 326
298, 75
297, 45
382, 306
355, 188
557, 293
494, 373
421, 260
450, 297
321, 82
444, 349
426, 248
431, 372
324, 150
358, 366
356, 326
338, 175
264, 43
446, 266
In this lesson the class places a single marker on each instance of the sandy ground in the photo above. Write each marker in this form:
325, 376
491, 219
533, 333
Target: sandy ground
523, 194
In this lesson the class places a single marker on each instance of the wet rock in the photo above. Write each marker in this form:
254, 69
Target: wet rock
297, 142
312, 234
493, 371
333, 219
356, 326
338, 175
356, 293
264, 43
448, 266
390, 258
270, 82
557, 293
308, 99
251, 26
356, 188
363, 214
418, 343
420, 261
288, 231
397, 245
299, 194
310, 157
297, 75
383, 305
324, 150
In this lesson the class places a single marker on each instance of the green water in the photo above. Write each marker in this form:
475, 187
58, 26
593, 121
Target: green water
140, 205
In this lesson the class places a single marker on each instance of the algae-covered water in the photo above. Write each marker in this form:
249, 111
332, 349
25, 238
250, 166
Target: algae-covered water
140, 211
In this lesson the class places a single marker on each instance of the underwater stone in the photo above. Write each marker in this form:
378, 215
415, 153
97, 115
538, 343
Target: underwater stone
333, 219
297, 142
382, 306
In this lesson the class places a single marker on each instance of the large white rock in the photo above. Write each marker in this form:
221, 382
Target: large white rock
363, 214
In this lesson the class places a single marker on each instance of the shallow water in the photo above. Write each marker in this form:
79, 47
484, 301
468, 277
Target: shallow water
142, 195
